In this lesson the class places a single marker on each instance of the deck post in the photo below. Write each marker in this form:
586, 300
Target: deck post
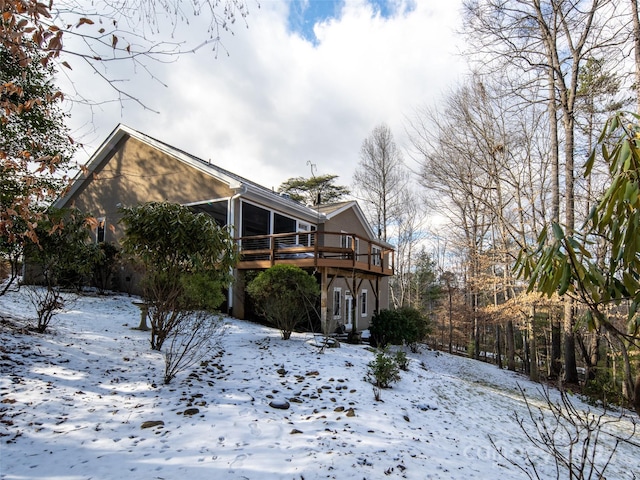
354, 304
324, 287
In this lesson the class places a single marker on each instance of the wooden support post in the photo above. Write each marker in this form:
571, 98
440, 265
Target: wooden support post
324, 294
377, 294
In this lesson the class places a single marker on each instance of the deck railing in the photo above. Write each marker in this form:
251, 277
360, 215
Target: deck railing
316, 249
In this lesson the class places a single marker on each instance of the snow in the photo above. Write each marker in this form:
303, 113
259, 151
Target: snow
73, 402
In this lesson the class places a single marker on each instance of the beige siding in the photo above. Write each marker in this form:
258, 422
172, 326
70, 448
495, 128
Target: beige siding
346, 221
362, 322
137, 173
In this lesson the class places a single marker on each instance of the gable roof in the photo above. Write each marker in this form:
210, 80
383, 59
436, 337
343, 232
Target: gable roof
332, 210
247, 188
235, 182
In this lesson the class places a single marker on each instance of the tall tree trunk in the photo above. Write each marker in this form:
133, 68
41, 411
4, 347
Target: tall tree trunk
555, 151
570, 365
594, 355
476, 328
450, 321
636, 46
628, 386
498, 347
511, 347
526, 360
556, 350
636, 390
534, 373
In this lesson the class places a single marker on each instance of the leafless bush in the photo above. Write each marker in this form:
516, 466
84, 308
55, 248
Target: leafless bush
581, 443
47, 302
195, 337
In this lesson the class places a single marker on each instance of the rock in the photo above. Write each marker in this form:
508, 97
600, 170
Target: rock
279, 404
351, 413
191, 411
295, 431
152, 423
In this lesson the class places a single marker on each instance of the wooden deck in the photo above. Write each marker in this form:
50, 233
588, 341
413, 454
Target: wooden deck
337, 250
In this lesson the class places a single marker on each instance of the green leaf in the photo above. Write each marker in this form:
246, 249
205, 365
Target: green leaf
565, 279
589, 165
557, 231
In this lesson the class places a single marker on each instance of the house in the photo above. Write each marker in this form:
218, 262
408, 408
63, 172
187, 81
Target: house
334, 242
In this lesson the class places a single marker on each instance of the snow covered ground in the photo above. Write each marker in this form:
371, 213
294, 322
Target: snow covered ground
74, 401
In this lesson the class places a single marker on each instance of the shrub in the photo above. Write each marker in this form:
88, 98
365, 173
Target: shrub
602, 389
62, 256
574, 438
385, 328
105, 265
187, 259
402, 360
285, 295
416, 326
397, 327
383, 371
193, 339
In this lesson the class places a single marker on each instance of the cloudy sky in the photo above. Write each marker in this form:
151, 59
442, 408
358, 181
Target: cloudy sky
306, 82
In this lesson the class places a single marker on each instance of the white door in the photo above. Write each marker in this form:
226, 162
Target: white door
348, 305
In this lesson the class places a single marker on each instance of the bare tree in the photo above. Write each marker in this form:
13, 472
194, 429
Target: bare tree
408, 234
580, 443
194, 338
380, 177
484, 171
105, 33
553, 37
636, 47
38, 36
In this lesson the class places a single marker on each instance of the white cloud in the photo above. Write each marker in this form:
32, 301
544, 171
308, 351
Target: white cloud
276, 101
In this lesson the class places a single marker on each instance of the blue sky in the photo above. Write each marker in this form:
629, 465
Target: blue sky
304, 14
276, 96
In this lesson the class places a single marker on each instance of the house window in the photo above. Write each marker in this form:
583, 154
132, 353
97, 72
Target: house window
282, 224
255, 221
337, 302
216, 209
100, 230
307, 238
376, 256
346, 241
363, 303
